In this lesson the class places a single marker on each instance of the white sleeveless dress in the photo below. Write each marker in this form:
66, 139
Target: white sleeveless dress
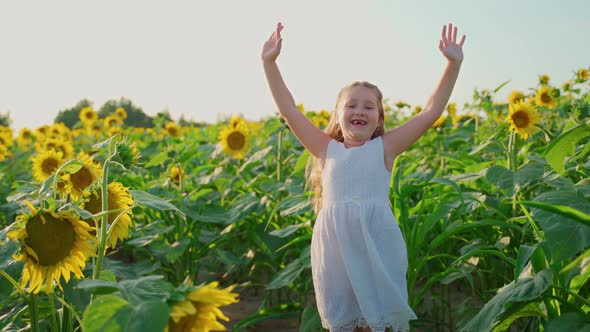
358, 255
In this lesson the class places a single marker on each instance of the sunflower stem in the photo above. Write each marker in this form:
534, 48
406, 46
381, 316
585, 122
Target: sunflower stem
279, 148
33, 307
54, 325
102, 233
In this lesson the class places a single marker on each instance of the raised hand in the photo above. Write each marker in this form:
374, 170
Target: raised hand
272, 47
448, 44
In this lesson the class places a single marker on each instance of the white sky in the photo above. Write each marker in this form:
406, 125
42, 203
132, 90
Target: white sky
202, 58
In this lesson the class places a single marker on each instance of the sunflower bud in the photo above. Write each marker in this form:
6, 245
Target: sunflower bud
127, 154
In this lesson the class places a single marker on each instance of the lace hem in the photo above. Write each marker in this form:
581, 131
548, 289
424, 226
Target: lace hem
398, 322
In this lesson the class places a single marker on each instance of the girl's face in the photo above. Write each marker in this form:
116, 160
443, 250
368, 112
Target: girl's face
358, 114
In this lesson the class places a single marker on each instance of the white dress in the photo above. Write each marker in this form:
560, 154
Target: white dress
358, 255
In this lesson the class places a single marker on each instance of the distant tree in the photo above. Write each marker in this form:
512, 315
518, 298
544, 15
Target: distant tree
71, 116
135, 115
5, 120
187, 123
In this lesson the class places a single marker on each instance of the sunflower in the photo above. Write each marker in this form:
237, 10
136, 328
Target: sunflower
401, 104
234, 141
567, 86
439, 122
4, 152
515, 96
319, 121
172, 129
120, 112
582, 75
6, 139
301, 108
544, 97
112, 120
41, 131
235, 121
25, 138
76, 183
452, 109
544, 79
56, 144
417, 109
176, 174
200, 310
53, 245
46, 163
88, 115
522, 118
119, 199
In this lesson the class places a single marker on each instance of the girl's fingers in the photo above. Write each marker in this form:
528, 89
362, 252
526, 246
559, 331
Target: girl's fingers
455, 35
462, 41
444, 34
450, 32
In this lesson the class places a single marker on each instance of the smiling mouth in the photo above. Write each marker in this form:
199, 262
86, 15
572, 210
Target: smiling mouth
359, 123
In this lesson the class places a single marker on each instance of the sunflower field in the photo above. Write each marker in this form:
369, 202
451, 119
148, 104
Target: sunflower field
106, 227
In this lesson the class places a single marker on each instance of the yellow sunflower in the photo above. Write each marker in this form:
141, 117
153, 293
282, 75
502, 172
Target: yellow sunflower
544, 79
112, 121
41, 131
452, 109
56, 144
118, 199
319, 121
200, 310
4, 152
544, 97
439, 122
515, 96
401, 104
522, 118
6, 139
53, 245
76, 183
172, 129
582, 74
301, 108
46, 163
25, 138
176, 174
236, 120
88, 116
417, 109
234, 141
120, 112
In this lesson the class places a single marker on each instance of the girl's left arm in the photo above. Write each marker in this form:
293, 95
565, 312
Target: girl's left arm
399, 139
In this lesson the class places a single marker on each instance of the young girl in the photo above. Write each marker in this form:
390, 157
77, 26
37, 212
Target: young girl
358, 254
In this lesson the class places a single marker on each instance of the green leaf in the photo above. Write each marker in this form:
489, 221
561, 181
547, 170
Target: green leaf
564, 145
108, 275
528, 288
113, 314
158, 159
501, 177
563, 210
72, 167
106, 313
292, 271
517, 311
310, 320
153, 202
524, 253
98, 286
569, 321
284, 232
259, 155
301, 162
566, 233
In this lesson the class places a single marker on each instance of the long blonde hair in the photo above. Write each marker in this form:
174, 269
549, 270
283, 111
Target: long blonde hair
313, 171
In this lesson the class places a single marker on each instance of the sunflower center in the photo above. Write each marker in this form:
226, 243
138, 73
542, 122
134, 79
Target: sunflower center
52, 241
172, 131
545, 97
49, 165
82, 178
89, 116
236, 140
521, 119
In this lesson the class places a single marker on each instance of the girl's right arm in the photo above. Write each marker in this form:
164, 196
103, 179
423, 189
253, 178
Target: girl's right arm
312, 138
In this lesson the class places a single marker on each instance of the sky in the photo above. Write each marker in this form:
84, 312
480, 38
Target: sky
201, 59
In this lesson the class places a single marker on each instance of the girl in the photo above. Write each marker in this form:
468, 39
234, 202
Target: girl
358, 254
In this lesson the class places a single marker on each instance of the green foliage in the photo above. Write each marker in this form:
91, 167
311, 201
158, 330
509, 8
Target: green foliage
71, 116
135, 115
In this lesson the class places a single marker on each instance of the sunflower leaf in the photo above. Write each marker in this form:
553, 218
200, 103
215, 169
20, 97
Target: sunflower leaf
154, 202
564, 145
